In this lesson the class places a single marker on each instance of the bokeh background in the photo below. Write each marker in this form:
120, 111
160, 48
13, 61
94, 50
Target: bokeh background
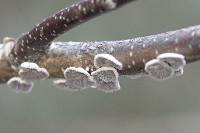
142, 105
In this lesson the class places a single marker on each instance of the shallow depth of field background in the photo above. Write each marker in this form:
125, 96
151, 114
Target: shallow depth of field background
142, 106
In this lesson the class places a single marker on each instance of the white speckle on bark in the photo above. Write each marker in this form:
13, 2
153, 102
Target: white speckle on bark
131, 54
133, 62
176, 49
129, 66
190, 46
156, 52
143, 60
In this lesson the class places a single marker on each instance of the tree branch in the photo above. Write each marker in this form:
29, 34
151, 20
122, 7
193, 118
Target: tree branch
132, 53
56, 59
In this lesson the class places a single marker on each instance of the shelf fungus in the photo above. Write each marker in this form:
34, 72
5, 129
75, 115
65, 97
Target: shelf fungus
20, 85
75, 79
62, 84
158, 70
106, 79
174, 60
106, 60
31, 71
165, 66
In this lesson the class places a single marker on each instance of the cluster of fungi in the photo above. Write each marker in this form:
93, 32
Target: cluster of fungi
79, 65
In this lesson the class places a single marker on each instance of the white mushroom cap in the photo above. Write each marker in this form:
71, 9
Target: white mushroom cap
174, 60
77, 79
107, 60
31, 71
20, 85
106, 79
29, 65
158, 70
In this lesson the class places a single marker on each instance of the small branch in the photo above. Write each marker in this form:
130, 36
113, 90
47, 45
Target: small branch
132, 53
32, 45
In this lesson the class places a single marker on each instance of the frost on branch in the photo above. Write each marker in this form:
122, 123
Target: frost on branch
75, 79
31, 71
107, 60
106, 79
20, 85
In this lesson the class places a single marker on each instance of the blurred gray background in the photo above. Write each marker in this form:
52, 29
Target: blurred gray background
142, 106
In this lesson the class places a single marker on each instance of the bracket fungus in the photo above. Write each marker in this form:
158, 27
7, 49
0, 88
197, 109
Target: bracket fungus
106, 60
158, 70
62, 84
175, 60
75, 79
106, 79
165, 66
31, 71
20, 85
